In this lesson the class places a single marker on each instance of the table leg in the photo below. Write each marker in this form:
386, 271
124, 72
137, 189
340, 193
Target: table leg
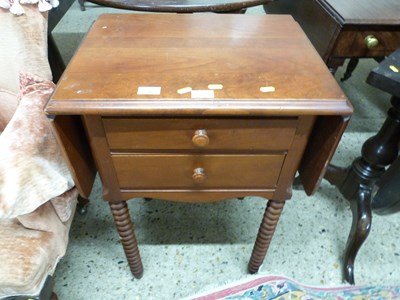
265, 234
361, 226
351, 66
356, 183
126, 233
83, 204
82, 5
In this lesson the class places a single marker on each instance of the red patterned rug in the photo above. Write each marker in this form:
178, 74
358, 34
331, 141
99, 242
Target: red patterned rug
282, 288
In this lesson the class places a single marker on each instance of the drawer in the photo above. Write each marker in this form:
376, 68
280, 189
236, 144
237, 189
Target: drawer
197, 171
354, 44
207, 134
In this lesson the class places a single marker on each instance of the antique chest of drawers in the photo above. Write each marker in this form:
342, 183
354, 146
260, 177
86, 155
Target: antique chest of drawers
197, 108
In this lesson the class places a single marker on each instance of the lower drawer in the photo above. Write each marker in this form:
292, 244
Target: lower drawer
197, 171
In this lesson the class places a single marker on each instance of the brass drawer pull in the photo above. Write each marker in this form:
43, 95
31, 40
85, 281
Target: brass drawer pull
200, 138
371, 41
199, 176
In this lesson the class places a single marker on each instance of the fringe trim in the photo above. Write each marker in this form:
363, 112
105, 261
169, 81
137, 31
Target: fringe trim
15, 7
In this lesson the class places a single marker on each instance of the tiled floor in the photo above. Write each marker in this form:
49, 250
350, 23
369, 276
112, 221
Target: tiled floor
189, 248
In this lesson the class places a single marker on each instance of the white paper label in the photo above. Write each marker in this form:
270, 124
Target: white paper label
184, 90
267, 89
215, 86
203, 94
149, 90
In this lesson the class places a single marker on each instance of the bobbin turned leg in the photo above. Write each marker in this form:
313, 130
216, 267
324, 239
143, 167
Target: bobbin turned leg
126, 233
265, 234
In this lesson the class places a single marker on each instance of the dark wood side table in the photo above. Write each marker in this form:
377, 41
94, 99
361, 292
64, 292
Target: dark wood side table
179, 6
358, 182
199, 108
341, 29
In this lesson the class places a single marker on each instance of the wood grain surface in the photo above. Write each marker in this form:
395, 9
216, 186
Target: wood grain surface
243, 53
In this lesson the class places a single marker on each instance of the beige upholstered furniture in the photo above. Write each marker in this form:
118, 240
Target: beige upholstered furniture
37, 193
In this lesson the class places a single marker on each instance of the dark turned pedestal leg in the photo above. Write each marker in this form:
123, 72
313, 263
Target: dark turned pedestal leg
82, 5
126, 233
351, 66
265, 234
356, 183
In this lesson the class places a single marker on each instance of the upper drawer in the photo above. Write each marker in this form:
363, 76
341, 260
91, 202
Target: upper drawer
207, 134
366, 43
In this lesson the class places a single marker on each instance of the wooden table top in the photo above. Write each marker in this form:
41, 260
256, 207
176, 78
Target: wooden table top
239, 54
382, 12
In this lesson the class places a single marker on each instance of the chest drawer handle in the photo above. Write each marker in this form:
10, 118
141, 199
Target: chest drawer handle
199, 176
371, 41
200, 138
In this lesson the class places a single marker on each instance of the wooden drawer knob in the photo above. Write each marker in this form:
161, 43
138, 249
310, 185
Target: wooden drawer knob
371, 41
200, 138
199, 176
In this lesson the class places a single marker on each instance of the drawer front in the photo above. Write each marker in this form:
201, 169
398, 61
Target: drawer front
208, 134
157, 172
355, 43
